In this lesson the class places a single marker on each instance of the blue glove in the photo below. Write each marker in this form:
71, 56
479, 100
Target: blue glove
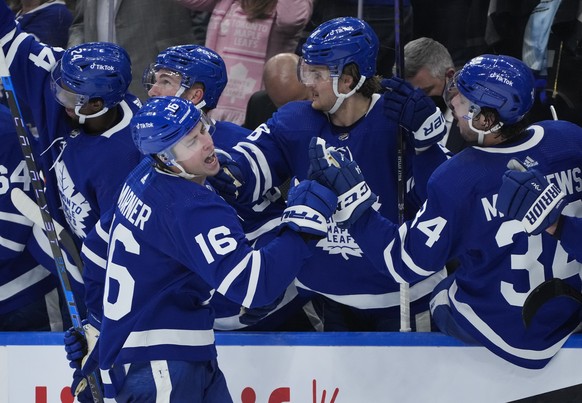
415, 112
525, 195
82, 354
84, 396
333, 170
252, 316
229, 179
309, 206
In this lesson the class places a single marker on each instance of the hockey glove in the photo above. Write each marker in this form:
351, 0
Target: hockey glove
84, 396
252, 316
309, 206
416, 113
82, 354
229, 179
333, 170
525, 195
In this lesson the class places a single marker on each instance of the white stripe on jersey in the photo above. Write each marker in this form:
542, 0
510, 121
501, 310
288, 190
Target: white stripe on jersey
23, 282
161, 375
177, 337
387, 300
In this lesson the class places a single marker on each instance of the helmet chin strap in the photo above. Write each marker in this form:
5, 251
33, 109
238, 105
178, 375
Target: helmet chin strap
342, 97
183, 173
82, 117
482, 133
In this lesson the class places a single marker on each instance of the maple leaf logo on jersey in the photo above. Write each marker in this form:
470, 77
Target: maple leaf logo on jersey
339, 241
75, 206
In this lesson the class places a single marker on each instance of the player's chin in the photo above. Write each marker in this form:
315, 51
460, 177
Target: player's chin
315, 104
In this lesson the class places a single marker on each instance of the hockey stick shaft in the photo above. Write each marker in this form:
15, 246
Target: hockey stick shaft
399, 59
28, 208
48, 222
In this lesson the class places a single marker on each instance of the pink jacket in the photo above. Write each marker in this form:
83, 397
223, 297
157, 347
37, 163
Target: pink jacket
291, 17
246, 46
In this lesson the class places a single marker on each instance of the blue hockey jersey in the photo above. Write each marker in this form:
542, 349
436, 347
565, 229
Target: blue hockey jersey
172, 242
499, 263
338, 267
570, 236
88, 167
22, 278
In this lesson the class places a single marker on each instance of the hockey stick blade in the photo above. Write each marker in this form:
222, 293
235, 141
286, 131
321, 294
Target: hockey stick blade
30, 210
544, 292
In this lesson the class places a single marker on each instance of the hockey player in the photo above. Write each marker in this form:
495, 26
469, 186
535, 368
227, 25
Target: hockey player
199, 74
481, 302
82, 111
172, 243
338, 66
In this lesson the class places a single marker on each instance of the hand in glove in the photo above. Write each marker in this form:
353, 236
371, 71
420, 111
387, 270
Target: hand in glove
333, 170
526, 195
82, 354
229, 179
309, 206
415, 112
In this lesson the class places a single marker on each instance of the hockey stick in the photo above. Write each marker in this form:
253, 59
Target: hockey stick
544, 292
399, 59
28, 208
48, 222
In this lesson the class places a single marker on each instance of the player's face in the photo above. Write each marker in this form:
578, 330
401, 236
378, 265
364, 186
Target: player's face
195, 153
461, 107
320, 84
162, 82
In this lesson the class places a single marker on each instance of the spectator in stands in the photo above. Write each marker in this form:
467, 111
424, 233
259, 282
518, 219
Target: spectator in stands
281, 86
142, 27
246, 34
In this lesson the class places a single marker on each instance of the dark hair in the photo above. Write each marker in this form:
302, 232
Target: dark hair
370, 87
507, 132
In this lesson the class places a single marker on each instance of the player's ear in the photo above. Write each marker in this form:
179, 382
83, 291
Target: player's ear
194, 94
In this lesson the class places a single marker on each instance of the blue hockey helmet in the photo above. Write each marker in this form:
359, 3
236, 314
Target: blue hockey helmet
92, 70
340, 41
195, 64
503, 83
161, 123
